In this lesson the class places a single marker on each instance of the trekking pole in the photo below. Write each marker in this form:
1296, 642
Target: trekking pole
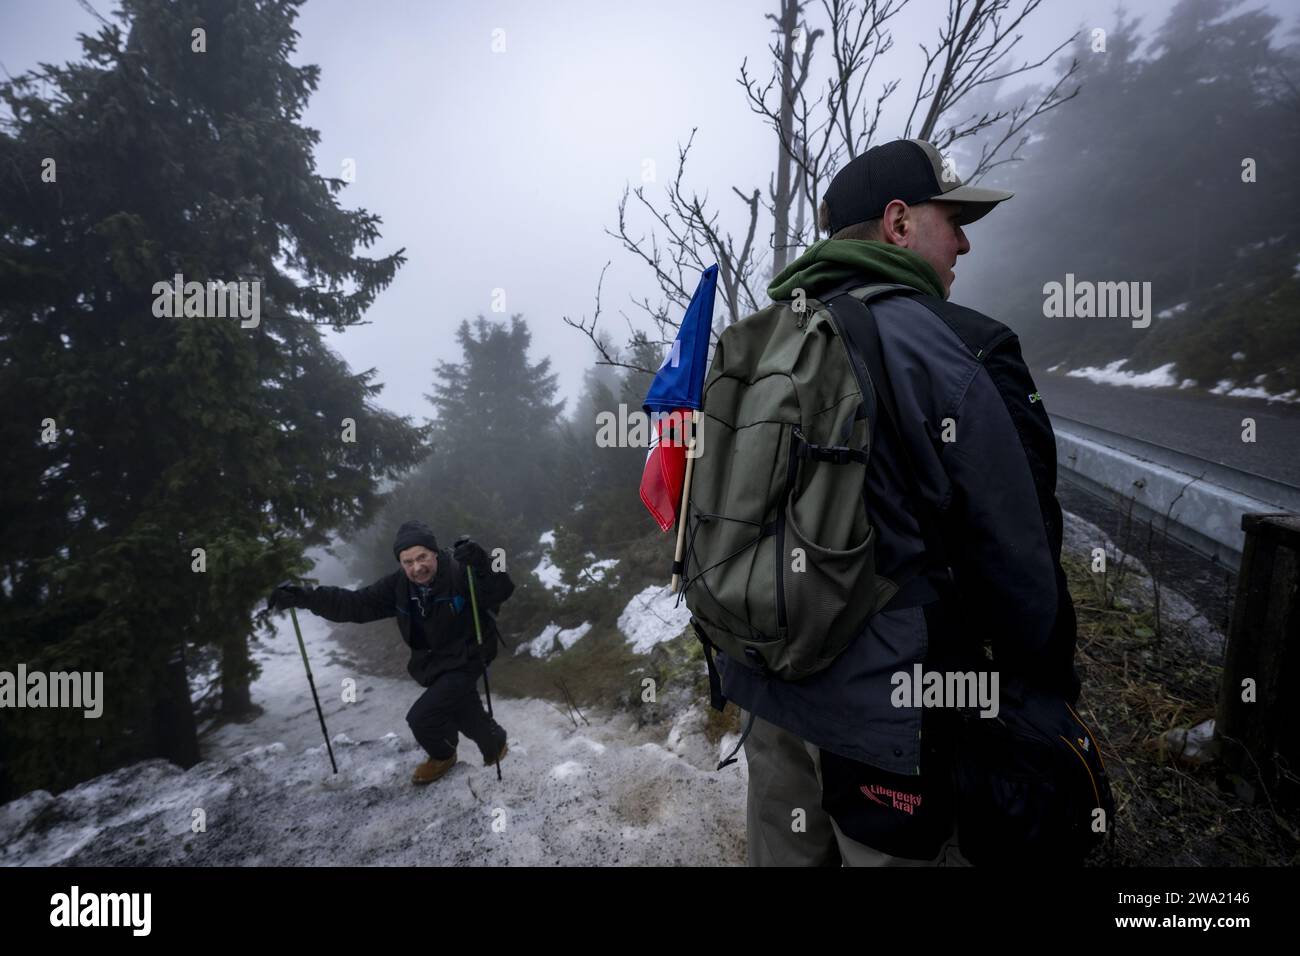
303, 647
478, 638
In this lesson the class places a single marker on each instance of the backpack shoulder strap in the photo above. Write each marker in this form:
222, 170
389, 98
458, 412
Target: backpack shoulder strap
857, 327
866, 290
978, 332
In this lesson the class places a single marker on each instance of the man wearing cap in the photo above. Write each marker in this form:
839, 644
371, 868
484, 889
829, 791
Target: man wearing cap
430, 597
838, 772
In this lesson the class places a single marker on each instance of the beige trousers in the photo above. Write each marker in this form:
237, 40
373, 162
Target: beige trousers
784, 778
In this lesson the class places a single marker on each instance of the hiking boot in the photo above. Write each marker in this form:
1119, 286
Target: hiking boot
505, 746
431, 770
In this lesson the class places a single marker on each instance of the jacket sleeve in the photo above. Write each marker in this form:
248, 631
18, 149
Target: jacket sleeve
371, 603
1003, 526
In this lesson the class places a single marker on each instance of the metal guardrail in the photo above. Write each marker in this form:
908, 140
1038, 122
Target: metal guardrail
1214, 496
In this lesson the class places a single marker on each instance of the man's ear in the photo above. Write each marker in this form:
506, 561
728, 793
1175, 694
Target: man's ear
896, 225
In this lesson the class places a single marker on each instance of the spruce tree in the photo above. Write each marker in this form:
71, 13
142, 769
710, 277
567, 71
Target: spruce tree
163, 472
500, 467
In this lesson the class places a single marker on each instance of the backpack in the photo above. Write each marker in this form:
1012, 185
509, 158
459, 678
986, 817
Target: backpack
779, 565
785, 443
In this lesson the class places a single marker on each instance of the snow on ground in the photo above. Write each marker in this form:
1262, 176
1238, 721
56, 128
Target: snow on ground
652, 617
546, 570
595, 572
1114, 374
544, 644
281, 690
1226, 387
600, 794
1169, 313
1164, 377
552, 577
594, 795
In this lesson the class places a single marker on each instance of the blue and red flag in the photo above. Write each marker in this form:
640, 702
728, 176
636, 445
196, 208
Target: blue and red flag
676, 391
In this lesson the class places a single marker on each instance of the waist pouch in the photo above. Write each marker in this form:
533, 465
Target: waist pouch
905, 815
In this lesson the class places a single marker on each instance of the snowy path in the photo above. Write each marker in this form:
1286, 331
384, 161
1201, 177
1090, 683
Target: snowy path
603, 794
289, 716
586, 797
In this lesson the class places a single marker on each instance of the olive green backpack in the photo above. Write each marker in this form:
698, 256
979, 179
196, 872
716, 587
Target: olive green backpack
779, 566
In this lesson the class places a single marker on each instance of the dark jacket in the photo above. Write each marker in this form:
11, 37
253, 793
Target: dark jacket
993, 490
442, 641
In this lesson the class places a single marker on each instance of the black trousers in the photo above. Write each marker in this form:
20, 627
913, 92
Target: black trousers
450, 705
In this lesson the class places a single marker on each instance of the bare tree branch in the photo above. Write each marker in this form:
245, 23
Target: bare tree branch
606, 357
973, 41
813, 139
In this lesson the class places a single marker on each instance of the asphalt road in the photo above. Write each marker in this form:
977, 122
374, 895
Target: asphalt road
1190, 421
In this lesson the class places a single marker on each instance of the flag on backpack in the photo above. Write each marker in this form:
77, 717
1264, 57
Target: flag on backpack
676, 392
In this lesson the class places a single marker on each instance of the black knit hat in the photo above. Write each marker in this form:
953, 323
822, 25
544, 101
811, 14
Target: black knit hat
413, 534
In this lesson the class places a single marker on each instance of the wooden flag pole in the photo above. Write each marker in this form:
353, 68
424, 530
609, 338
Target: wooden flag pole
686, 497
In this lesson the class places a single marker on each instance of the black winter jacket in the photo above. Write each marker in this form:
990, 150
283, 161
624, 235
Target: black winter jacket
442, 641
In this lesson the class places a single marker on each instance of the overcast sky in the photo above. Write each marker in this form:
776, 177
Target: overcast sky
502, 170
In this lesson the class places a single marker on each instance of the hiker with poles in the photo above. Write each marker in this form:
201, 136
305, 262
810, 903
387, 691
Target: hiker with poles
445, 602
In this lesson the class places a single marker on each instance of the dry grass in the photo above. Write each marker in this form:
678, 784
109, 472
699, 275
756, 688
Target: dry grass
1136, 688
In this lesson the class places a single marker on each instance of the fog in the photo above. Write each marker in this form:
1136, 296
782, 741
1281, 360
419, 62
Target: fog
502, 170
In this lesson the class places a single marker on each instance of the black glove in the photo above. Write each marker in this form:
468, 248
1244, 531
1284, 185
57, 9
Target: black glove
287, 595
470, 554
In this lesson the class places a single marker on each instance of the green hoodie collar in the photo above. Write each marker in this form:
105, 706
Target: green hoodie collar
832, 261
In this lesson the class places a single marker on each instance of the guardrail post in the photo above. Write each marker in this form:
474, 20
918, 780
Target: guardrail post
1257, 722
